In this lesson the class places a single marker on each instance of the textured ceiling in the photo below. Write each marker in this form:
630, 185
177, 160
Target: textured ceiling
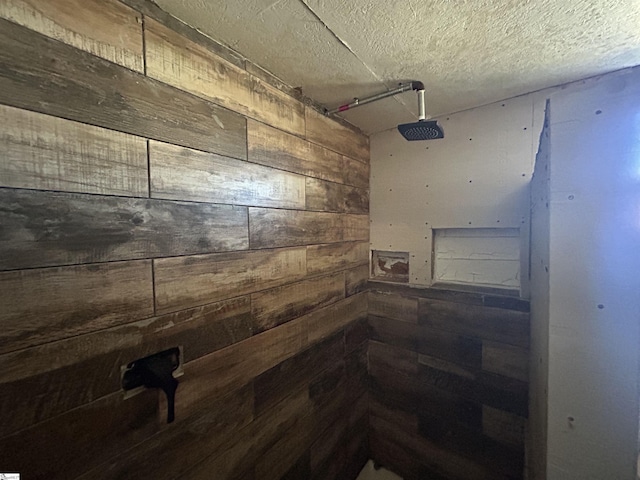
467, 52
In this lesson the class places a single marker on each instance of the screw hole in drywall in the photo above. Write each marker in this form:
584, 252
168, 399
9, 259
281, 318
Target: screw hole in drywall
470, 139
524, 128
469, 223
600, 306
571, 197
524, 174
470, 181
598, 112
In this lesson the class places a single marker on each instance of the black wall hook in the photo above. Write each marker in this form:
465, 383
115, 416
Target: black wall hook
155, 371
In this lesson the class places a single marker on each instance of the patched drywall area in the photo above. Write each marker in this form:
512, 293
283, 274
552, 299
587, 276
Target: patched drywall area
477, 177
594, 264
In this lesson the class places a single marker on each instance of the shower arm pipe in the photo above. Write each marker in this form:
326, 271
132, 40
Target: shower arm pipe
403, 87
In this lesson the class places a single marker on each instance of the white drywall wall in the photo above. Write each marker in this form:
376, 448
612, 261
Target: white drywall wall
594, 308
539, 346
476, 177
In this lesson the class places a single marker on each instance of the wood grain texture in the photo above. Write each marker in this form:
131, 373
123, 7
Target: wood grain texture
184, 282
45, 229
488, 389
506, 360
334, 197
273, 385
275, 148
357, 279
281, 304
488, 323
43, 305
461, 349
169, 454
252, 441
329, 133
218, 373
323, 323
34, 383
152, 10
92, 90
49, 153
180, 173
336, 256
82, 438
178, 61
269, 228
395, 307
416, 457
107, 29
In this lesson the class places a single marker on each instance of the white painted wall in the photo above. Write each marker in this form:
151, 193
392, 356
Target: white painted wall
594, 267
539, 346
476, 177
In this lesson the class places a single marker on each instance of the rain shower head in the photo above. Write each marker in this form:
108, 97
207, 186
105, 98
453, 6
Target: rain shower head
421, 130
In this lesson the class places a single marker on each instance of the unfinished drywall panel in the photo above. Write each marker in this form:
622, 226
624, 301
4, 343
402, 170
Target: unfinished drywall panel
594, 307
539, 347
476, 177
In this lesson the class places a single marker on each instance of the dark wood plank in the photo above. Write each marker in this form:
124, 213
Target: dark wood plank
43, 305
178, 447
336, 256
276, 383
184, 282
356, 364
35, 382
355, 334
496, 391
470, 443
331, 134
107, 29
506, 360
300, 469
458, 349
178, 61
323, 323
271, 228
281, 304
91, 90
275, 148
71, 444
251, 442
49, 153
421, 456
496, 324
357, 280
393, 306
504, 427
218, 373
45, 229
335, 197
179, 173
400, 360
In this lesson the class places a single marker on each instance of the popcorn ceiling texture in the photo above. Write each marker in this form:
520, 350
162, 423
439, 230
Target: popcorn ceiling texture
468, 53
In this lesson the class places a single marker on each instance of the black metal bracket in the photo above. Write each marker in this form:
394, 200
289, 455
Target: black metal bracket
155, 371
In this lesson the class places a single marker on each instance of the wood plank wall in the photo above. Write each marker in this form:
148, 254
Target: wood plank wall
158, 190
448, 375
